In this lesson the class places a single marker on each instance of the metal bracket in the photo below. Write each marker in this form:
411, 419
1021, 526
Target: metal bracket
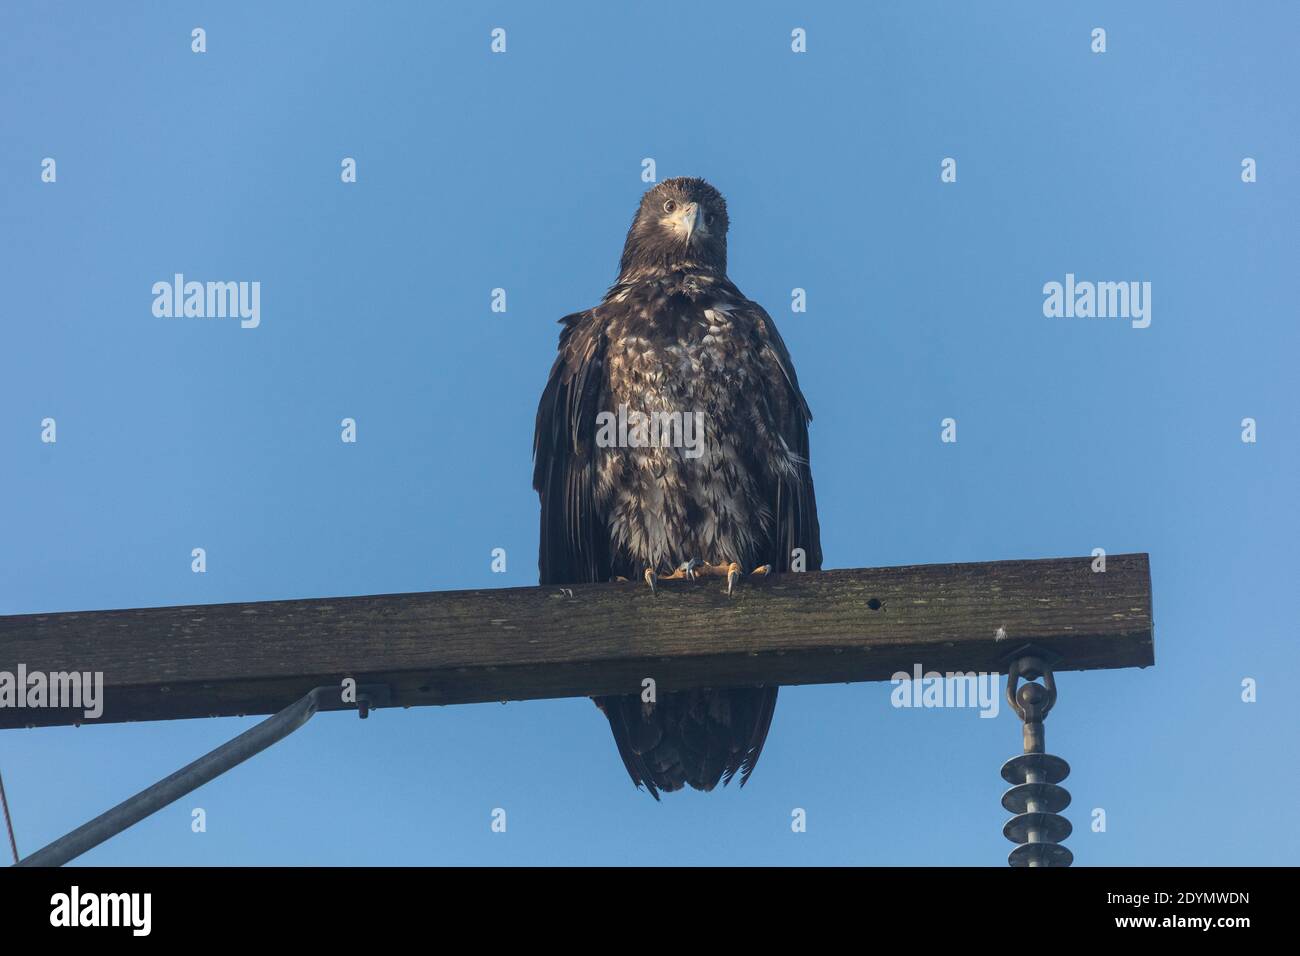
372, 695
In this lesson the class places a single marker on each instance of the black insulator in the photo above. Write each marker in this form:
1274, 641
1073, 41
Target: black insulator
1045, 797
1041, 854
1035, 797
1043, 768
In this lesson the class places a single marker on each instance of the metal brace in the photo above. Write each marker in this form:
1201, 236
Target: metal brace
230, 754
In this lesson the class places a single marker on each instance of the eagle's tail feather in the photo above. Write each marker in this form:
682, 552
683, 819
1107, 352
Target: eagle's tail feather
767, 707
696, 738
613, 708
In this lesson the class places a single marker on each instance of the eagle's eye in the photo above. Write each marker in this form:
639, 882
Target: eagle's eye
670, 205
708, 219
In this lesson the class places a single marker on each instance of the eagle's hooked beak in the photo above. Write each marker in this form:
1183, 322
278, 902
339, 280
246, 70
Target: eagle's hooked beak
687, 219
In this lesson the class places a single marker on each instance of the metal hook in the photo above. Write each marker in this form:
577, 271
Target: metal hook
1031, 668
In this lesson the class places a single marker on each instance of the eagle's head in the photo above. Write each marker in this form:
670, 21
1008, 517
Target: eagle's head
680, 224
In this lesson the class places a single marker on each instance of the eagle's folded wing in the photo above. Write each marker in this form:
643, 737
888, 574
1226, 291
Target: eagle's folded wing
789, 490
574, 546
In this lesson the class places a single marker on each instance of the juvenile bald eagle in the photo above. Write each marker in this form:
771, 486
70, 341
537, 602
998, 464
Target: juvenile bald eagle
674, 336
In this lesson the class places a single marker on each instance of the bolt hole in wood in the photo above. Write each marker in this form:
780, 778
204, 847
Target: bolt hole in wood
875, 604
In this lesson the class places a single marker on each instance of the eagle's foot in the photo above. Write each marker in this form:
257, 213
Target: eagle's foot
695, 569
731, 571
685, 571
734, 573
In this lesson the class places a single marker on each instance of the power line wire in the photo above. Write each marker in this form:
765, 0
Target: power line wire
9, 823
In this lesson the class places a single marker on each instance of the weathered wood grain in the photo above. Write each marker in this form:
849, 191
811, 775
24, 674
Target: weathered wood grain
451, 647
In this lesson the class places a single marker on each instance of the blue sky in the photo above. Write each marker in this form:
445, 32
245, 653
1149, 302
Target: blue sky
522, 171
